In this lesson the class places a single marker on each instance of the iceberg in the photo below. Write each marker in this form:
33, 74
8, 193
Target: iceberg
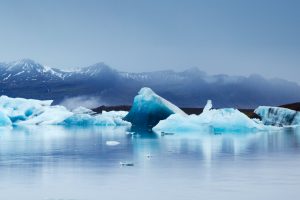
113, 118
20, 111
210, 120
277, 116
49, 115
149, 108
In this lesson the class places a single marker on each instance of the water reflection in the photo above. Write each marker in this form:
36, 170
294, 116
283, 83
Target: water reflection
33, 155
36, 146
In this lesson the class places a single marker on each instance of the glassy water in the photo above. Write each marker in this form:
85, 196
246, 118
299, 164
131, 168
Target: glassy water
57, 163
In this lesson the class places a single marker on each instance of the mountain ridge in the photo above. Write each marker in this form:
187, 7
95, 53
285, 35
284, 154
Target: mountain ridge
190, 88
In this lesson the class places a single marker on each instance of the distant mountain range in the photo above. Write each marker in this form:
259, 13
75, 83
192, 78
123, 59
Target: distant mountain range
190, 88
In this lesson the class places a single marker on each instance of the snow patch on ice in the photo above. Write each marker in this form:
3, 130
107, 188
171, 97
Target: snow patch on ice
83, 110
208, 106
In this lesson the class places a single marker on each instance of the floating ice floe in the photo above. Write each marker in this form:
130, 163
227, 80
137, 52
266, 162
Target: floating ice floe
214, 120
20, 111
149, 108
128, 164
112, 143
277, 116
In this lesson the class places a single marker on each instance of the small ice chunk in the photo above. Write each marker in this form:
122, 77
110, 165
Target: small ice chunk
112, 143
130, 164
148, 155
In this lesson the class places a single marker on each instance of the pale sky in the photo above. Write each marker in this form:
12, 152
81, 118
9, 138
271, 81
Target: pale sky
234, 37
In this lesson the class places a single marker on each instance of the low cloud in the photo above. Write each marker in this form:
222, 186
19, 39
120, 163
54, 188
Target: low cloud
85, 101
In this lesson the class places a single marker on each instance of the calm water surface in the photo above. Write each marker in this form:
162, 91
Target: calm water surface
56, 163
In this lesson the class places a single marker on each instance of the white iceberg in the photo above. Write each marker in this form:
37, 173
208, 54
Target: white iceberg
20, 111
149, 108
277, 116
115, 114
104, 119
212, 120
49, 115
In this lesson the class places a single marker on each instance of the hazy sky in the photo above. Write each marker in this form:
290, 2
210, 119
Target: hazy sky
225, 36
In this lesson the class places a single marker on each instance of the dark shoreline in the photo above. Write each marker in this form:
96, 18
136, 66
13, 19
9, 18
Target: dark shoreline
249, 112
189, 111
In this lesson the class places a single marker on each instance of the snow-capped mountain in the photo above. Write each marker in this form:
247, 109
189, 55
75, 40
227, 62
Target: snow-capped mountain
192, 87
96, 69
28, 70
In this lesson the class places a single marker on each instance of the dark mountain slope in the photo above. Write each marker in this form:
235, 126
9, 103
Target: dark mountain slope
189, 88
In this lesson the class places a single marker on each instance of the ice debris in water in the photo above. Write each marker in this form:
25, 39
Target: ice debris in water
149, 155
149, 108
20, 111
277, 116
216, 120
112, 143
129, 164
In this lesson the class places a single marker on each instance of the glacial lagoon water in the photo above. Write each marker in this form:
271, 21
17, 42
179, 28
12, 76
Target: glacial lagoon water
60, 163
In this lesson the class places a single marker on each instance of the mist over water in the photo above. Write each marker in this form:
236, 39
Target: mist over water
84, 101
75, 163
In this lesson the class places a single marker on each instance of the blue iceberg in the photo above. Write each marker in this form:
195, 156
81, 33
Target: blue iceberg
210, 120
149, 108
277, 116
20, 111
